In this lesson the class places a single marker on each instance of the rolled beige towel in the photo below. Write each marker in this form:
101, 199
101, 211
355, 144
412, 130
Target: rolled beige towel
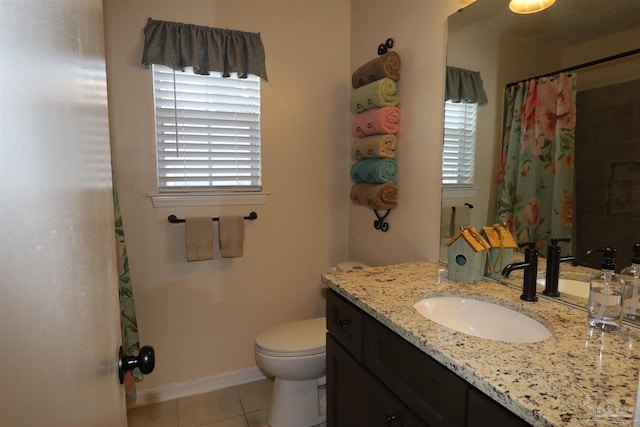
380, 146
387, 65
375, 196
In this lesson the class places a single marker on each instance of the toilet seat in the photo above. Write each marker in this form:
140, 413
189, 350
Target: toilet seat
300, 338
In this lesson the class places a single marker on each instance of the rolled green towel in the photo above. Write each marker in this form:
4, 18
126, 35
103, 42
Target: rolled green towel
381, 93
374, 171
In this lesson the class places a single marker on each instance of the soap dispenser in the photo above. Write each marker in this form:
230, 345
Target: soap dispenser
605, 294
631, 277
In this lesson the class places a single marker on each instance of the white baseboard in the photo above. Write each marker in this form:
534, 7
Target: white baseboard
197, 386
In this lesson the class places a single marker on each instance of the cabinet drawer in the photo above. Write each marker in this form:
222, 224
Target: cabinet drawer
435, 394
344, 322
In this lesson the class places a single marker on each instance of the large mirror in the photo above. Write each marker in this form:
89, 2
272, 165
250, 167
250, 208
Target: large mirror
504, 47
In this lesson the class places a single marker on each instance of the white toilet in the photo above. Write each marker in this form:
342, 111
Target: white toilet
294, 354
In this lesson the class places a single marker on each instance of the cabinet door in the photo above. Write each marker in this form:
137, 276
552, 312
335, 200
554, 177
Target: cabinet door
483, 412
354, 397
433, 392
344, 322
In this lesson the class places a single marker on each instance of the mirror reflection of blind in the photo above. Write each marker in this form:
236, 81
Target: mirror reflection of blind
459, 144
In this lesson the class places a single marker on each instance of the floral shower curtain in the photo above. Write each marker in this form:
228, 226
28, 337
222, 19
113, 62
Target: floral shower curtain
128, 322
535, 185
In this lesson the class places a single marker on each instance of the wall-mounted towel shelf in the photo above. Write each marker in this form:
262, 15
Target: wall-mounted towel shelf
175, 220
373, 128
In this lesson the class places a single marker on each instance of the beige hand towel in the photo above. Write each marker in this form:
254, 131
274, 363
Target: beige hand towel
231, 236
199, 238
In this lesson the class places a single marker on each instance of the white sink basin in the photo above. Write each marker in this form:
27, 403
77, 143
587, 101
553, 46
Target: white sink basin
576, 288
482, 319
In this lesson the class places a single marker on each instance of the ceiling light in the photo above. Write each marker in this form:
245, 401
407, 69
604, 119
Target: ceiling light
529, 6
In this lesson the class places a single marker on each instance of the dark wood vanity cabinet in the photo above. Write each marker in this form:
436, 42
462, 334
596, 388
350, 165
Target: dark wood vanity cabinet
357, 398
376, 378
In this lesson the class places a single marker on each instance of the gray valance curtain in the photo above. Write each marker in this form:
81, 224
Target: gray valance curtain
464, 86
206, 49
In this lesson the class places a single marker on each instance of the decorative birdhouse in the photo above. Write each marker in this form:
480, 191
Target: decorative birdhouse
501, 251
467, 256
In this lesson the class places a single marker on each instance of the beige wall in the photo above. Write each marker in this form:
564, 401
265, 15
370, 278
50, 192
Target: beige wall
418, 29
202, 317
617, 71
476, 50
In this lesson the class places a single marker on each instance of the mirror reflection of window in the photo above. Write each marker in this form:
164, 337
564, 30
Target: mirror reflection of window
458, 151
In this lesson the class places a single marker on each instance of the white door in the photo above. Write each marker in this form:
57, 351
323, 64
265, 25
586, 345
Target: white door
59, 315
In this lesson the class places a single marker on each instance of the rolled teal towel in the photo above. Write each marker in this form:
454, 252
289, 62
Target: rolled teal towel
374, 171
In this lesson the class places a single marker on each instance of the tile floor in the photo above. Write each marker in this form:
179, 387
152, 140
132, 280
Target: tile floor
245, 405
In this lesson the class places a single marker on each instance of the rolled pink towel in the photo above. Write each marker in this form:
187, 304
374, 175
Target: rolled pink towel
377, 121
375, 196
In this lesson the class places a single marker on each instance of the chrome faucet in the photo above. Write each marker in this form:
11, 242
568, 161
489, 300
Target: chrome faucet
530, 266
553, 267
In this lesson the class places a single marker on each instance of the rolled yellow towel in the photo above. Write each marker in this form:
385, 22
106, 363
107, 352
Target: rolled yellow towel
375, 196
380, 146
387, 65
381, 93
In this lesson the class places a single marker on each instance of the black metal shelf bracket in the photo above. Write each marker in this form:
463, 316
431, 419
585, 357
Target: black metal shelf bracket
380, 224
384, 47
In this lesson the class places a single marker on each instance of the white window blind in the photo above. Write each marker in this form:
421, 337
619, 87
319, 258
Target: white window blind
459, 144
207, 131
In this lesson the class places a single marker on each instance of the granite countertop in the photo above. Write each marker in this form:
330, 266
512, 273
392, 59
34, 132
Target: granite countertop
578, 377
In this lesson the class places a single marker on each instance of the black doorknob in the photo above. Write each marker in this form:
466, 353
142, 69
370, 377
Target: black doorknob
146, 361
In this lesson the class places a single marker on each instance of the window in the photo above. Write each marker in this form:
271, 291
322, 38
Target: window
459, 144
207, 131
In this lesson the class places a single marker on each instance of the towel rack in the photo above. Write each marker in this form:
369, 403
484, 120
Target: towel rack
175, 220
